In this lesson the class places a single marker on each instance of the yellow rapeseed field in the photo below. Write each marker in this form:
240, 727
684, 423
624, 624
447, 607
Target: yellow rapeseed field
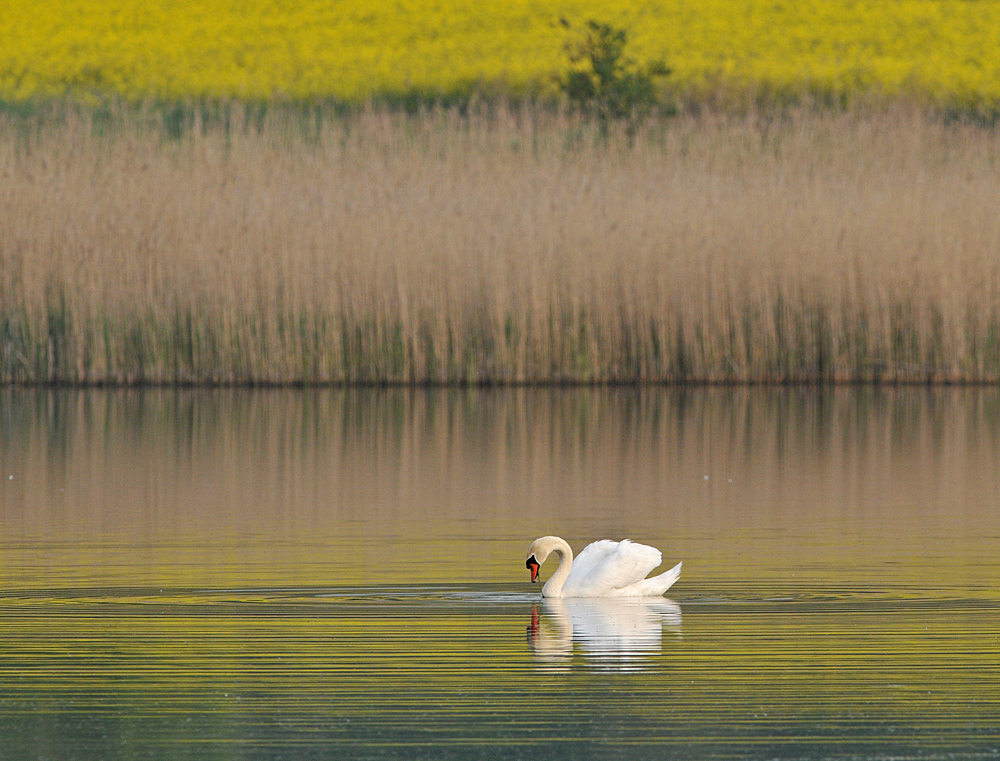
945, 51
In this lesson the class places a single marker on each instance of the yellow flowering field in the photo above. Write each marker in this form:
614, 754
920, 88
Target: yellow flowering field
943, 50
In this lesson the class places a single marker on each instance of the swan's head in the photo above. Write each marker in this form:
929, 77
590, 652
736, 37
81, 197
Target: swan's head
532, 565
537, 552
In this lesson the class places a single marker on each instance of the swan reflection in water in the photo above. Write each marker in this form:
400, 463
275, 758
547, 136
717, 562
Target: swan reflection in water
614, 632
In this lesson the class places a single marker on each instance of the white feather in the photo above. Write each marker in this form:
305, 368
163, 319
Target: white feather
592, 556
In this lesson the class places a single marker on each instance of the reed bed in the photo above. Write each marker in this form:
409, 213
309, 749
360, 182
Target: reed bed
509, 246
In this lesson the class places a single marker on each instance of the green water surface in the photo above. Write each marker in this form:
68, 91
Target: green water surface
332, 574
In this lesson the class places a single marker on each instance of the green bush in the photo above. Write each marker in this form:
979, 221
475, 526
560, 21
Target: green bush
603, 81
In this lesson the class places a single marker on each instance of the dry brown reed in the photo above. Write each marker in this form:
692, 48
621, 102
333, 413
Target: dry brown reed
505, 247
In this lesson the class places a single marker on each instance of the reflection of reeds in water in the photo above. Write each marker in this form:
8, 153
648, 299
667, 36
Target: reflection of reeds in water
516, 247
230, 488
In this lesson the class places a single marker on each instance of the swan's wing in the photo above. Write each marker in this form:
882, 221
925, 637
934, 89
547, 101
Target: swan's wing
627, 564
657, 585
591, 556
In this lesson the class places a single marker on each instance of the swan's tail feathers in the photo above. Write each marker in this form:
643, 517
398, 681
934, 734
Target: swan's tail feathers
663, 582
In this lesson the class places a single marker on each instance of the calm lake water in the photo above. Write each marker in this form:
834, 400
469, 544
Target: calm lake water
340, 574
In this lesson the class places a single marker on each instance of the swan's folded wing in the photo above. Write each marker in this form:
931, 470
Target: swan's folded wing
628, 564
592, 555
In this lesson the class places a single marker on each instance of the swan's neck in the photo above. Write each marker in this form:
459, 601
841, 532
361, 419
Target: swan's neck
553, 587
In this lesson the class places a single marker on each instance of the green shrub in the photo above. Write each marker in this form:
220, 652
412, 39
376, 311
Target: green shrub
603, 81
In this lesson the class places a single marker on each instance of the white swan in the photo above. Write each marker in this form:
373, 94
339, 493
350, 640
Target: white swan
603, 569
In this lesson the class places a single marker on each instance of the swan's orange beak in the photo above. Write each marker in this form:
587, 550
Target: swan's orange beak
532, 565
